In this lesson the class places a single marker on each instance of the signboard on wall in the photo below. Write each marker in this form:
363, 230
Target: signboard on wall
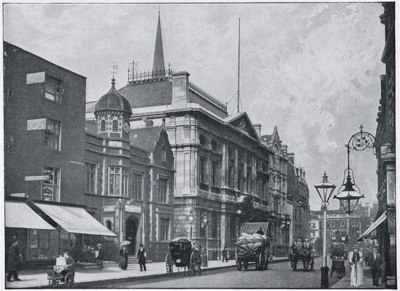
133, 208
36, 124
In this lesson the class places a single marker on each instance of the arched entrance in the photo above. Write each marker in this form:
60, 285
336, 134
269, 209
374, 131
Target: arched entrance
131, 228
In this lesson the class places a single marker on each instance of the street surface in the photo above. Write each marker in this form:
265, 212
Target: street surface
278, 275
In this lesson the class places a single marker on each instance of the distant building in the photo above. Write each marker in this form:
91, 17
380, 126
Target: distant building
298, 194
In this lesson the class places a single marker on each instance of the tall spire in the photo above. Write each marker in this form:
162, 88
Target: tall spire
158, 61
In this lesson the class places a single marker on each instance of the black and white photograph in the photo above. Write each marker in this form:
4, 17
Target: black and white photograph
199, 145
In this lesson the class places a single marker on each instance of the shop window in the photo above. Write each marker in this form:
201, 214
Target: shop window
52, 134
137, 186
53, 89
39, 244
164, 229
90, 178
50, 187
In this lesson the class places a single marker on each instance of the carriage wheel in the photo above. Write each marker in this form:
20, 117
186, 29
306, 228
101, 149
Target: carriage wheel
245, 263
260, 262
69, 280
53, 283
168, 265
238, 261
312, 264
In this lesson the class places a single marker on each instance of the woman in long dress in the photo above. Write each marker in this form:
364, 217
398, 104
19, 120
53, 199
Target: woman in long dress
123, 258
355, 260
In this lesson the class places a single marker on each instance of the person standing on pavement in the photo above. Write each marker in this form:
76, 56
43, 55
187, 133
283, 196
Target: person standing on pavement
224, 255
355, 260
123, 258
141, 256
14, 259
100, 257
376, 267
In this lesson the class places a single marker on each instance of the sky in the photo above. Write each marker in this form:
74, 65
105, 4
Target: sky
311, 69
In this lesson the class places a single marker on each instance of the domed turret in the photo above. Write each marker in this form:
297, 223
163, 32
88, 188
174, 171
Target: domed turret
113, 100
113, 112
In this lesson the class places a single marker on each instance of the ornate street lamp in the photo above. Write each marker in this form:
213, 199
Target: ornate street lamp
190, 219
349, 193
325, 190
204, 223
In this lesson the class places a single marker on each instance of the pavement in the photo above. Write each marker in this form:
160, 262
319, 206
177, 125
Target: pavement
86, 278
344, 283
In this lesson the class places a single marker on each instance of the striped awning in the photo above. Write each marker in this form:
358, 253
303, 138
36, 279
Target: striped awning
252, 227
373, 226
74, 219
20, 215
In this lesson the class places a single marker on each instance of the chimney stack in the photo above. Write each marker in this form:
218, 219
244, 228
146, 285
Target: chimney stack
257, 127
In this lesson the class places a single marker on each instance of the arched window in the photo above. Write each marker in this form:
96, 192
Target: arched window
115, 125
108, 224
214, 145
103, 125
163, 154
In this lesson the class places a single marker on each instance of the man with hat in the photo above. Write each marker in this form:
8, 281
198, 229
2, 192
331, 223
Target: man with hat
100, 256
14, 258
355, 260
376, 266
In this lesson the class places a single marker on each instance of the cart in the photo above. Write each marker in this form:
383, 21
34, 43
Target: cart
182, 254
338, 267
252, 253
61, 273
307, 257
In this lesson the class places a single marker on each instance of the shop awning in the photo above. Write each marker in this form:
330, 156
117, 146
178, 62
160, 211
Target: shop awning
20, 215
252, 227
373, 226
75, 219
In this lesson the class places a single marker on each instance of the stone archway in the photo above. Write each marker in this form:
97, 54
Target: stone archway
131, 230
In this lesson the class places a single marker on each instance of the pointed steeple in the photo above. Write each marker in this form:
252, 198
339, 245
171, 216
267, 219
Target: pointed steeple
158, 61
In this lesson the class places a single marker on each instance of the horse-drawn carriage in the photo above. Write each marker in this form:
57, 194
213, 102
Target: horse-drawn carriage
252, 249
183, 254
305, 255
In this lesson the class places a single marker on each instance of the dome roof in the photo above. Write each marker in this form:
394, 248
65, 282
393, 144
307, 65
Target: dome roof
113, 100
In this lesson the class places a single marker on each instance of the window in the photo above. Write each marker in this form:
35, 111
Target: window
118, 181
103, 125
164, 229
203, 170
215, 173
39, 242
249, 175
231, 169
343, 223
163, 154
202, 227
53, 89
90, 178
214, 145
137, 186
332, 224
50, 188
108, 224
115, 125
202, 139
163, 190
52, 134
233, 226
214, 225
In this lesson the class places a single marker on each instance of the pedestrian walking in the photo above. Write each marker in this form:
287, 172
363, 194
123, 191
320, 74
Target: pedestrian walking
224, 255
123, 258
376, 267
100, 256
141, 256
355, 260
14, 260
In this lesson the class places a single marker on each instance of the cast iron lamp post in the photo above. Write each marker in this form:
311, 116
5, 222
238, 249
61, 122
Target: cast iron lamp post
190, 218
204, 223
325, 190
349, 194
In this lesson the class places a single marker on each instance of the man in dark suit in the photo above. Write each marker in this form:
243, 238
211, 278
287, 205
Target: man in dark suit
376, 266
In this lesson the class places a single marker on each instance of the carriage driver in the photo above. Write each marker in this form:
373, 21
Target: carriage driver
307, 245
299, 244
